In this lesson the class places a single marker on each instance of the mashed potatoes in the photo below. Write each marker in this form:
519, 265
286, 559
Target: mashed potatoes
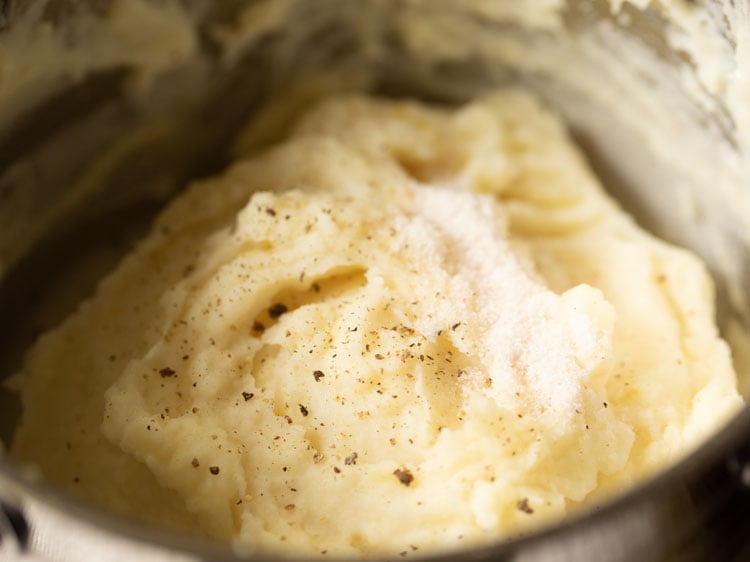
405, 328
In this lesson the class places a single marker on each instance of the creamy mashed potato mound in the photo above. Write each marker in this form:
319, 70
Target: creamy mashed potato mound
404, 328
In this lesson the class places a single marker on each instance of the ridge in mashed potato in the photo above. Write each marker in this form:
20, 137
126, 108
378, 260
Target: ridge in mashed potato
404, 328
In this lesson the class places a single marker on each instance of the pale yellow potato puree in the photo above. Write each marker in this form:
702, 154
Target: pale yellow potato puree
405, 328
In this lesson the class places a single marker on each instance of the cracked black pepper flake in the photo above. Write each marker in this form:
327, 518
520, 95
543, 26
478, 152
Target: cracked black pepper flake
336, 469
303, 410
270, 211
247, 395
351, 459
195, 462
318, 375
523, 505
404, 476
258, 327
166, 372
456, 325
277, 310
213, 470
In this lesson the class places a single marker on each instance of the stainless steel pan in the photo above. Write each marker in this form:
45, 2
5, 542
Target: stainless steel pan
85, 163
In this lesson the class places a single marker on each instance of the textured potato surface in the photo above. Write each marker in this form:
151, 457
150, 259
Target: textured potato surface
403, 328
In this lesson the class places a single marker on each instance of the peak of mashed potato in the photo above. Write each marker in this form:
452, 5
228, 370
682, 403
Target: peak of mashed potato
405, 328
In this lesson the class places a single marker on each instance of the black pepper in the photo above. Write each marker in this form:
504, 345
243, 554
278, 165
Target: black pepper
166, 372
318, 375
213, 470
351, 459
303, 410
247, 395
523, 505
404, 476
